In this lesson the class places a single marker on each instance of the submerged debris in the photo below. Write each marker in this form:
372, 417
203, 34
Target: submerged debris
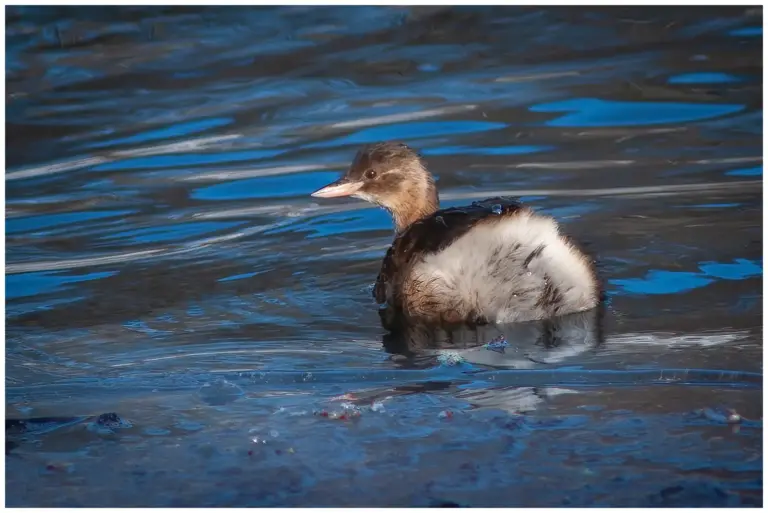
60, 466
719, 415
498, 344
107, 423
347, 414
112, 420
348, 410
450, 358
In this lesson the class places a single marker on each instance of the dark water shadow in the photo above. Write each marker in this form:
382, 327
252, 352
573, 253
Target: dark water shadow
516, 345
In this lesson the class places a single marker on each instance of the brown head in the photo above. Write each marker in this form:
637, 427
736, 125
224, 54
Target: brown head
391, 175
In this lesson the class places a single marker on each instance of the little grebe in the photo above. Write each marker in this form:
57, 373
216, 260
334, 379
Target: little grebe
492, 261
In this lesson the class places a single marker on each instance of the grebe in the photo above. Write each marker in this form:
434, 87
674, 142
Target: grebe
494, 261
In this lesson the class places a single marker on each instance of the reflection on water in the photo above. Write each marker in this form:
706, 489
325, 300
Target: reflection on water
516, 346
179, 308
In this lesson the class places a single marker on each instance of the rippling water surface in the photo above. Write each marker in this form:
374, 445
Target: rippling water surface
165, 262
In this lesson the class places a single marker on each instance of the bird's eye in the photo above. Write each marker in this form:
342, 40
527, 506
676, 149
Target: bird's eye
370, 174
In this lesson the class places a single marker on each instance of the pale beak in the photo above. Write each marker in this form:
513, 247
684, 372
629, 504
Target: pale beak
339, 188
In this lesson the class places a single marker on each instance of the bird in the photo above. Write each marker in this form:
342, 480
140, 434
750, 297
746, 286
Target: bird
493, 261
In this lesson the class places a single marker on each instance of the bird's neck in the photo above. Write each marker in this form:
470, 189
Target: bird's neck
415, 203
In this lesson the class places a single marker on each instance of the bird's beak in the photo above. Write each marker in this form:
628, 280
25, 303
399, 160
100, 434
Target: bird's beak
340, 188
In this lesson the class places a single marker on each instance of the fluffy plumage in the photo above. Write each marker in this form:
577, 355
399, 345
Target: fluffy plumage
474, 264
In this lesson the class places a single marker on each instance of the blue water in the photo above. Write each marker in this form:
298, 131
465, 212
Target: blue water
161, 134
593, 112
703, 78
165, 262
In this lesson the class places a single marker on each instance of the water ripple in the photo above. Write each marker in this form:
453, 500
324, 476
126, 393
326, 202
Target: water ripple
165, 262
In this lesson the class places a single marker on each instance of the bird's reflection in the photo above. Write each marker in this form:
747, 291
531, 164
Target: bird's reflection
519, 345
528, 345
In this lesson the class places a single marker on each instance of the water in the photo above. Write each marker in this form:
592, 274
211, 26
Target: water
165, 261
